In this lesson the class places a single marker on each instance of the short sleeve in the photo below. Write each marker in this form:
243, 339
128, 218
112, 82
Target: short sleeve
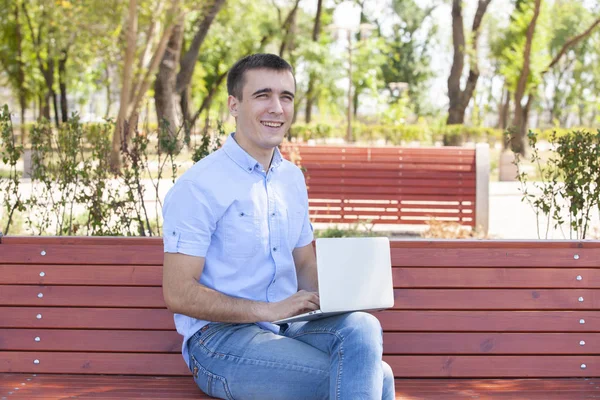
188, 220
306, 236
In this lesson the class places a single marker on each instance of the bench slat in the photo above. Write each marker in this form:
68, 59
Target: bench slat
444, 321
132, 341
490, 343
535, 278
51, 387
490, 321
386, 182
418, 277
497, 366
330, 172
395, 343
403, 366
86, 318
496, 257
81, 254
122, 275
93, 363
420, 299
381, 191
82, 296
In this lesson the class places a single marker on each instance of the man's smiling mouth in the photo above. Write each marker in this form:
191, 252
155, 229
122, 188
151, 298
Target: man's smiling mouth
272, 124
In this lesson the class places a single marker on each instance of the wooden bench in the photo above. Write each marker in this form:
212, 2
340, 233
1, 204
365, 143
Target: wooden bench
395, 185
85, 318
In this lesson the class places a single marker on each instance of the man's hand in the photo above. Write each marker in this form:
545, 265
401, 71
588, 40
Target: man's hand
299, 303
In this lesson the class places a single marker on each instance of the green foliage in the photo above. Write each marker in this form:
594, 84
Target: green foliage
408, 58
10, 153
570, 181
73, 192
354, 230
397, 134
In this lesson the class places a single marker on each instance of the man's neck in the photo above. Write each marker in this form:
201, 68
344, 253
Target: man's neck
263, 156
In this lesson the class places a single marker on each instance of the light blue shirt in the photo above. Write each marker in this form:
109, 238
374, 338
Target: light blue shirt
244, 222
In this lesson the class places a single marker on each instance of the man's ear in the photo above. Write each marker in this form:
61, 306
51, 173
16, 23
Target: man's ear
232, 104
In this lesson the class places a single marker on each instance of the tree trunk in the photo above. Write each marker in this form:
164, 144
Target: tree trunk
164, 86
519, 124
505, 111
22, 91
189, 59
459, 99
287, 27
119, 135
312, 77
63, 85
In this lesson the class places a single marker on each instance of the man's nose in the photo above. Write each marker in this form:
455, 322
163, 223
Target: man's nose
275, 106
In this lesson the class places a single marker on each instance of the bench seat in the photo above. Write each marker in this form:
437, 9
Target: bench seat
85, 318
51, 387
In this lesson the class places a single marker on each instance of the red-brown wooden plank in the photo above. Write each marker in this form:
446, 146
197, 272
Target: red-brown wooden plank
118, 275
82, 240
537, 247
535, 278
416, 320
119, 254
465, 299
491, 343
383, 182
55, 387
496, 257
497, 299
494, 366
489, 321
93, 363
379, 191
332, 172
82, 296
86, 318
404, 198
403, 366
132, 341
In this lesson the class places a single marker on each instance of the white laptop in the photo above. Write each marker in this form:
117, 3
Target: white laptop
355, 274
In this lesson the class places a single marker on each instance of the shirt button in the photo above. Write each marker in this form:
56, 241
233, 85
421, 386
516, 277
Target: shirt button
249, 168
174, 233
274, 280
274, 248
272, 214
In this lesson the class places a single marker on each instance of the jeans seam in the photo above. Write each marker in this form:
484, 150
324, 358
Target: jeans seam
211, 378
340, 353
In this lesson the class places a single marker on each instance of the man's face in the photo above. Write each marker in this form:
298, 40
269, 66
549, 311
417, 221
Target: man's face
266, 111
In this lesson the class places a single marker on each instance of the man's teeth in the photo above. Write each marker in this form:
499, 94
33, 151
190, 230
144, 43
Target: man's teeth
273, 124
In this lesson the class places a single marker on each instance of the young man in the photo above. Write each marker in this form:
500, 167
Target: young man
238, 255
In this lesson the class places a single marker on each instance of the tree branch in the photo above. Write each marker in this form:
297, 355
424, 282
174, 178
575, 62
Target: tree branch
571, 42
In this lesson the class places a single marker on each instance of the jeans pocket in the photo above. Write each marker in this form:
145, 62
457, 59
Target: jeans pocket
211, 384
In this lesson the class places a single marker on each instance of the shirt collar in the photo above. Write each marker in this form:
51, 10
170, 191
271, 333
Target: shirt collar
245, 160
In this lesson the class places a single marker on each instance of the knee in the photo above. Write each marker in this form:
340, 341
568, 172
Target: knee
364, 328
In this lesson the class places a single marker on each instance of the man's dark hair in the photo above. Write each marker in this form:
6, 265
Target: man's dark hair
235, 77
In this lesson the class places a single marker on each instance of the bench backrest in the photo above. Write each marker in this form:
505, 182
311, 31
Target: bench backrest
392, 185
462, 308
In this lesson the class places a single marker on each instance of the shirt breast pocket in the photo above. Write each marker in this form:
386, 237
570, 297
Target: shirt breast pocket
295, 223
241, 233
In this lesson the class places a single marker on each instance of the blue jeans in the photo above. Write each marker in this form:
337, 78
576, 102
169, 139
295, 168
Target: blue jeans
332, 358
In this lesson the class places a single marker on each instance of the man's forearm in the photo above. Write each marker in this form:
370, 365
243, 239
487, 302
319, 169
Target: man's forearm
200, 302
